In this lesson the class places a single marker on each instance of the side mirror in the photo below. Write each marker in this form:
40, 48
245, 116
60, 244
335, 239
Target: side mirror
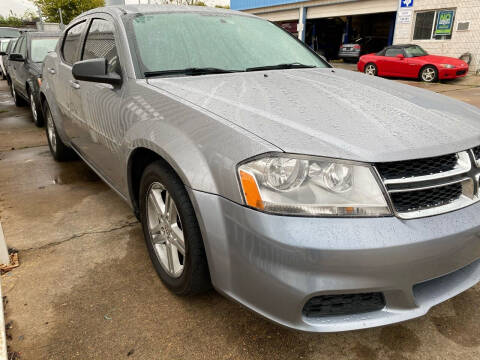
2, 53
400, 56
16, 57
95, 70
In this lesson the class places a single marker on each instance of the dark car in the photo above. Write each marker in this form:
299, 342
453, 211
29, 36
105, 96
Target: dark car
364, 45
4, 60
25, 69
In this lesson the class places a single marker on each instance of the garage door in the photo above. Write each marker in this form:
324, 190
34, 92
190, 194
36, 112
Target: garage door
352, 8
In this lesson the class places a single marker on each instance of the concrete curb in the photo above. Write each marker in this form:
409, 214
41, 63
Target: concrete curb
3, 336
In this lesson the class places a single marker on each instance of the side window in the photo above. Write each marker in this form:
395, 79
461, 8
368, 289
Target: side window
100, 43
23, 47
393, 52
16, 49
71, 42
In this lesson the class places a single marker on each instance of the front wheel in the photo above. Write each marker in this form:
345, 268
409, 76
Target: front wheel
171, 232
371, 69
37, 115
429, 74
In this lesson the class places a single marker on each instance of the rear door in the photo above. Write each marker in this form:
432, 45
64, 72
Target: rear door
64, 81
96, 117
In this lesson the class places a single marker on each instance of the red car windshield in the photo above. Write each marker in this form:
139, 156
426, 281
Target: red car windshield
415, 51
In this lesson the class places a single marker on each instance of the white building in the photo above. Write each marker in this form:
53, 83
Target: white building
443, 27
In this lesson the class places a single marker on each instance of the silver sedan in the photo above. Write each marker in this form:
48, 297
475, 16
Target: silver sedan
322, 199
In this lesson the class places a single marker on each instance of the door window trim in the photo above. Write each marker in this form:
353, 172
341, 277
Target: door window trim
82, 35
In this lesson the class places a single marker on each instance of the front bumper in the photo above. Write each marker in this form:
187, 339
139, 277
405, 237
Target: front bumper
275, 264
444, 74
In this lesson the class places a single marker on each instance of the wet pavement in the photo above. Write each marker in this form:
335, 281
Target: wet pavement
86, 290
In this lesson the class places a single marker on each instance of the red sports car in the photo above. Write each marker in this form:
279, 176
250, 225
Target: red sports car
411, 61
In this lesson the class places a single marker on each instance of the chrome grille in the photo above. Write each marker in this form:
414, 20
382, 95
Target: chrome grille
430, 186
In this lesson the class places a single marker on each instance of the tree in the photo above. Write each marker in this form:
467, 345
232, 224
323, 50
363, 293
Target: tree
70, 8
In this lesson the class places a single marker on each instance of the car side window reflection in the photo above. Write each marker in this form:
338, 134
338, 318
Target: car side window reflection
100, 43
393, 52
16, 49
72, 42
23, 47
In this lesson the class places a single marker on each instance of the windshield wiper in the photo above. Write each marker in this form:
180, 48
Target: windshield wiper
280, 66
189, 71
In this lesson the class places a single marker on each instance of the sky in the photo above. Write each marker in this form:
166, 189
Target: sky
17, 6
20, 6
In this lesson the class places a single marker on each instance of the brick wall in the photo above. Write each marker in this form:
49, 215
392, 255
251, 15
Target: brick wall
461, 41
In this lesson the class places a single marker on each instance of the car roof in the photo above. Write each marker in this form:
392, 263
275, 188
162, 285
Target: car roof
43, 34
155, 8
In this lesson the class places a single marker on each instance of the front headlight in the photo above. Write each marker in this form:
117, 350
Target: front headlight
311, 186
447, 66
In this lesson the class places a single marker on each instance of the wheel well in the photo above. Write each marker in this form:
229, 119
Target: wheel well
138, 161
424, 66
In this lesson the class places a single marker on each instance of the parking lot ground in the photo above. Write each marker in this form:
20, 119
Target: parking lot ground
85, 288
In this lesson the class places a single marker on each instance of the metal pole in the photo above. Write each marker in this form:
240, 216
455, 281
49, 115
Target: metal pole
61, 18
41, 20
4, 257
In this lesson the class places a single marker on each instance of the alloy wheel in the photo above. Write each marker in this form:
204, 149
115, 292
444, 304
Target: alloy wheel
428, 74
165, 229
33, 107
370, 70
52, 136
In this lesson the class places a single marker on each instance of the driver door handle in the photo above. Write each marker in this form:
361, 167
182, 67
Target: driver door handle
74, 84
51, 70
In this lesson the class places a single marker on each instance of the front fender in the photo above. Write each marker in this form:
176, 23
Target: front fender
203, 148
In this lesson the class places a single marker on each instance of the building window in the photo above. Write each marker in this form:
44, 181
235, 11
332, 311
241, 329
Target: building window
435, 24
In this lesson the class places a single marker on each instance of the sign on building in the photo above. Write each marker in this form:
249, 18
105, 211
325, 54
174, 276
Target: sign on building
404, 16
444, 22
406, 3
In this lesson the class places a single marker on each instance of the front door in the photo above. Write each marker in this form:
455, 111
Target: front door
392, 65
96, 118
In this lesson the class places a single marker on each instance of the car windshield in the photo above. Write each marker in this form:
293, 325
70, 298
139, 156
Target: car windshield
415, 51
41, 47
167, 43
9, 33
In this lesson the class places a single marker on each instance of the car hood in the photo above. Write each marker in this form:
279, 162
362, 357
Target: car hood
436, 59
334, 113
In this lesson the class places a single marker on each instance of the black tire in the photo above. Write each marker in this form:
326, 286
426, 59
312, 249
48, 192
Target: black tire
37, 113
195, 276
59, 150
369, 66
17, 99
429, 74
